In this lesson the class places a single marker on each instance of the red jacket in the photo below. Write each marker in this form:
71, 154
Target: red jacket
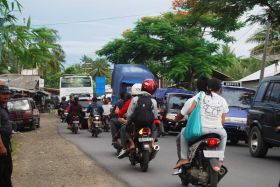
124, 109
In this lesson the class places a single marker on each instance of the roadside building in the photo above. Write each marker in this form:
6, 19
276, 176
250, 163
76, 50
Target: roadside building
252, 81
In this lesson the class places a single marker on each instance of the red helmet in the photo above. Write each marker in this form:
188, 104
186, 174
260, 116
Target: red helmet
149, 85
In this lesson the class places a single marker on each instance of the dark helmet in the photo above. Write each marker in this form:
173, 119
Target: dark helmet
94, 99
149, 85
63, 98
4, 89
76, 99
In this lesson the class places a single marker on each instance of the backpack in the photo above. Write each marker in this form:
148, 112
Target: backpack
143, 113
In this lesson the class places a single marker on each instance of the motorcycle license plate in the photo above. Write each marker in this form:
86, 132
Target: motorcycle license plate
213, 154
75, 121
145, 139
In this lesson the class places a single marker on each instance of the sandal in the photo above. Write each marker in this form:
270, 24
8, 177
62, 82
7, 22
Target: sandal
181, 162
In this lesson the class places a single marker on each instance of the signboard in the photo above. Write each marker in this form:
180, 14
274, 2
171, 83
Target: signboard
232, 83
100, 83
41, 83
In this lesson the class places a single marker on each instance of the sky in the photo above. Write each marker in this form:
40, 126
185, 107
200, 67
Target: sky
84, 26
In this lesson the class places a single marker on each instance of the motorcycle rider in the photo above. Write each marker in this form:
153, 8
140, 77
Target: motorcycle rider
148, 88
106, 110
62, 105
201, 85
94, 108
114, 123
213, 112
75, 109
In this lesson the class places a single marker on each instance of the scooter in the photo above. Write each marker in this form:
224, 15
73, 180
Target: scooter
96, 128
203, 157
144, 151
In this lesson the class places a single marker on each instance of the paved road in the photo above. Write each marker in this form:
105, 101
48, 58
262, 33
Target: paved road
244, 171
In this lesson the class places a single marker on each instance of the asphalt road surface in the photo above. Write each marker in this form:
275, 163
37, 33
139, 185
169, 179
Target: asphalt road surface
244, 171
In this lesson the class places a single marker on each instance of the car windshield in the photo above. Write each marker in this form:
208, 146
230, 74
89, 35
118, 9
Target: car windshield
176, 102
18, 105
84, 104
68, 82
238, 97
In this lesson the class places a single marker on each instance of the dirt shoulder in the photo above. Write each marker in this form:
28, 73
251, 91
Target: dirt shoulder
44, 158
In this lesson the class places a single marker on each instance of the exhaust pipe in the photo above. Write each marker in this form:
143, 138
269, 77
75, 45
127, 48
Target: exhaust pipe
154, 152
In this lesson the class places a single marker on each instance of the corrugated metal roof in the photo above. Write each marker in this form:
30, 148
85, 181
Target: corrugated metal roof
28, 82
271, 70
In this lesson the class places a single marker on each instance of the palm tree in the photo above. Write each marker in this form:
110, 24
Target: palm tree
259, 38
101, 67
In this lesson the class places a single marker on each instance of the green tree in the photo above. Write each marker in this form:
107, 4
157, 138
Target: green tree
230, 10
259, 38
74, 69
100, 67
172, 45
26, 47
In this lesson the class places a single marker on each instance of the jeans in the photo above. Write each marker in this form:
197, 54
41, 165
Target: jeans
221, 147
115, 126
178, 144
6, 167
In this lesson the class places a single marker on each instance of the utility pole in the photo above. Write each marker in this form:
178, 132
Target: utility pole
1, 36
268, 27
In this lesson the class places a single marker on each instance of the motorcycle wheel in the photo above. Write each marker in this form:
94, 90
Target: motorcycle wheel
144, 163
75, 130
213, 177
184, 182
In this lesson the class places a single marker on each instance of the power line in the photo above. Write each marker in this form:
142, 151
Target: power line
91, 20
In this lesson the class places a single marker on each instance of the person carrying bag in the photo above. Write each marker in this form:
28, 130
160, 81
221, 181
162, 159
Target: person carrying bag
193, 128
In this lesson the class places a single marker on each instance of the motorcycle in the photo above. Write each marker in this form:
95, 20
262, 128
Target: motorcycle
144, 151
75, 122
105, 121
96, 127
203, 157
62, 115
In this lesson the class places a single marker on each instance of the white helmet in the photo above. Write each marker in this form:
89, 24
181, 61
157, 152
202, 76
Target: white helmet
136, 89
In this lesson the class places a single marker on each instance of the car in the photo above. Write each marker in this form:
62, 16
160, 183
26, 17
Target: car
263, 118
173, 105
24, 113
239, 100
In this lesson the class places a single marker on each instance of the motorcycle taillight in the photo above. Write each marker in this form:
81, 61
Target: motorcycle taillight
145, 131
213, 142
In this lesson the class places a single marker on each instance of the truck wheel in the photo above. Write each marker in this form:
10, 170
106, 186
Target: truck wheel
257, 146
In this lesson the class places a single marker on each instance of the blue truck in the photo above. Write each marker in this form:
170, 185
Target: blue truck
125, 75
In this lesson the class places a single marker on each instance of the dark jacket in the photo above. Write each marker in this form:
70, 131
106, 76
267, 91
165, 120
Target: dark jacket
63, 104
75, 109
5, 124
5, 127
95, 106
